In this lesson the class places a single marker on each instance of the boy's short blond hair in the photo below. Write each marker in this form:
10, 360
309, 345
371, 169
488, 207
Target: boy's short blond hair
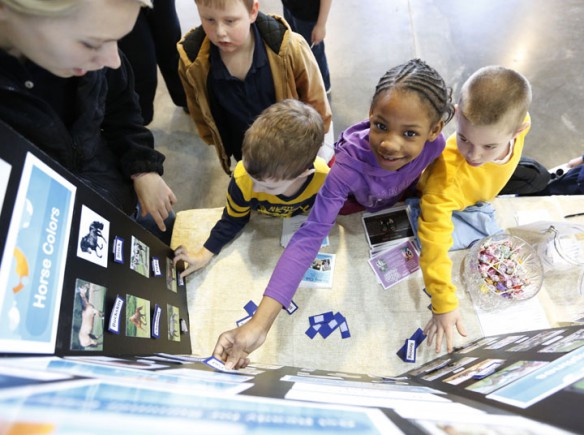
283, 141
220, 4
493, 94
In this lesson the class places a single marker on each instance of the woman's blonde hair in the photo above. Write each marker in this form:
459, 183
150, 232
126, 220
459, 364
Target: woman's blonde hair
50, 7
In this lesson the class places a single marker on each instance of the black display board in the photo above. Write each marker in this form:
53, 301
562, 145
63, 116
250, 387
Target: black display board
117, 279
513, 357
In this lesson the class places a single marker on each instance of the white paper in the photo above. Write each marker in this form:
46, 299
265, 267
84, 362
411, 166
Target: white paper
519, 316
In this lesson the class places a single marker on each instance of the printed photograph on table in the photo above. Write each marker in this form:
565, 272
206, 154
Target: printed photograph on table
395, 264
505, 376
88, 317
320, 272
387, 226
504, 342
173, 323
483, 368
449, 368
34, 259
566, 344
577, 387
140, 257
170, 275
93, 237
431, 366
137, 317
536, 340
543, 382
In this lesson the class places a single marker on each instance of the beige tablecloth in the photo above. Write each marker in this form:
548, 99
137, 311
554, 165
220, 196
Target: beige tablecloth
379, 320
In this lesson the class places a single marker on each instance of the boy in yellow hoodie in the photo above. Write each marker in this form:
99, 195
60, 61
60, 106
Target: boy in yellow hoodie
478, 161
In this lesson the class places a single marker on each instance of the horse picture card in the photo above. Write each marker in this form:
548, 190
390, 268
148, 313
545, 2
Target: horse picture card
170, 275
173, 323
93, 237
137, 317
140, 257
88, 318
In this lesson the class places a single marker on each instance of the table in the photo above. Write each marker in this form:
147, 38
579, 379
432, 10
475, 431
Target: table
379, 320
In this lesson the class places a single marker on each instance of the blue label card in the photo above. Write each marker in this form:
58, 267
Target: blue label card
313, 330
217, 365
417, 338
156, 266
118, 250
327, 328
243, 321
321, 318
344, 328
116, 315
180, 280
250, 308
156, 321
292, 308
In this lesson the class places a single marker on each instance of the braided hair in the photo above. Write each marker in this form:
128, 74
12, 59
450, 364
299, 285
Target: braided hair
417, 76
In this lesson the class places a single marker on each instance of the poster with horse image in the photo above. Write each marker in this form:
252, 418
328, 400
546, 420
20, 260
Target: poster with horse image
173, 322
140, 257
137, 317
93, 237
88, 318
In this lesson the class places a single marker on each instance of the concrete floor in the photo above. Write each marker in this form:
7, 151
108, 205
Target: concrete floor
539, 38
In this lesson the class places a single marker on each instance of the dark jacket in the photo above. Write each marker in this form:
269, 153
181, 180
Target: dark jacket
105, 144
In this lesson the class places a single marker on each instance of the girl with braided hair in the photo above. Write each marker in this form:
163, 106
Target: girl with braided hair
378, 161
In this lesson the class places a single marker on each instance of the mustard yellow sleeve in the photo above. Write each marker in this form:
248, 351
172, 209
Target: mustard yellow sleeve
435, 232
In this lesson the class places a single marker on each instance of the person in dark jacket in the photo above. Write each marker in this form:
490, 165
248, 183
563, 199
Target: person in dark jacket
65, 86
152, 44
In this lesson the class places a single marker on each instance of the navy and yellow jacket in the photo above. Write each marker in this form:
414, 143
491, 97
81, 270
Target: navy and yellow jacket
241, 200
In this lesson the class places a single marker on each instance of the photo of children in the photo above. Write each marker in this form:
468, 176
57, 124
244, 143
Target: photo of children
88, 318
320, 272
140, 257
137, 317
173, 323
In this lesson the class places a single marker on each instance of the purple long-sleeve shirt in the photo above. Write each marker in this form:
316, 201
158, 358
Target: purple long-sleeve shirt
355, 172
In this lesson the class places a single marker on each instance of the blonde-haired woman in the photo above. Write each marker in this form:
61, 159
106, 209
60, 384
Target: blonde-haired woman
65, 86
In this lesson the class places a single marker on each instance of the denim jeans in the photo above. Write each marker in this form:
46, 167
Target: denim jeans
305, 29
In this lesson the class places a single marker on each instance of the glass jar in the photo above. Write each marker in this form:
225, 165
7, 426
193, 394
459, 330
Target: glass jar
501, 269
561, 251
